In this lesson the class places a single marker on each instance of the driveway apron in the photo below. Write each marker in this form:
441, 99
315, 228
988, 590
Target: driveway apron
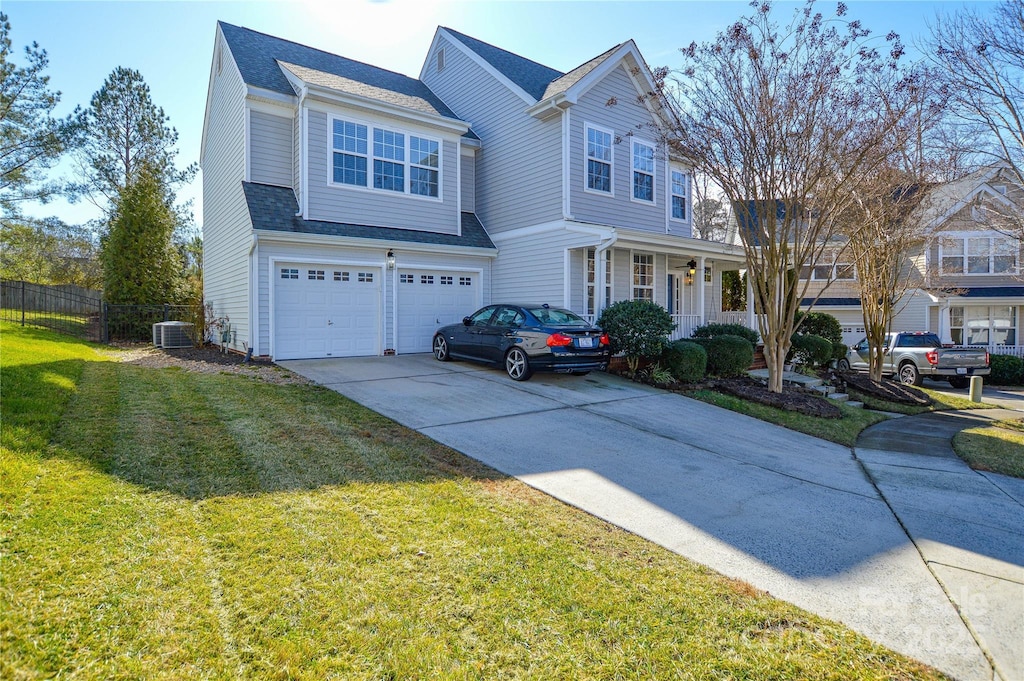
791, 514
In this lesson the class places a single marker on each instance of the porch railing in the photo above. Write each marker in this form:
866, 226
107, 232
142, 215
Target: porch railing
730, 318
1015, 350
685, 324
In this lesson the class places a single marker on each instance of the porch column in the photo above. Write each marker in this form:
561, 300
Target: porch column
600, 272
945, 335
751, 316
701, 291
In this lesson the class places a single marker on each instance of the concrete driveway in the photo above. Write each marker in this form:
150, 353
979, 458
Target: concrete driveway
791, 514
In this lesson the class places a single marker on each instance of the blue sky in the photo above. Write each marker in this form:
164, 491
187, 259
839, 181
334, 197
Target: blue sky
171, 43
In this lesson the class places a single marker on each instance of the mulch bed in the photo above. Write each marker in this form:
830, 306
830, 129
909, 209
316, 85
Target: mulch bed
210, 360
790, 399
891, 391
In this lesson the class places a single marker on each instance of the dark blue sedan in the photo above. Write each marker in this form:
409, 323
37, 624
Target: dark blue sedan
524, 339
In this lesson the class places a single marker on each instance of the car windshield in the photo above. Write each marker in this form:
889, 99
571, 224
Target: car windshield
557, 317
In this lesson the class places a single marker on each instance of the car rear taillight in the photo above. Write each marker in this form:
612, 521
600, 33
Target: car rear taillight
605, 339
558, 340
987, 359
932, 356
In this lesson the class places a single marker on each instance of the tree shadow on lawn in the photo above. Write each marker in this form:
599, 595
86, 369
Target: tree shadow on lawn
200, 436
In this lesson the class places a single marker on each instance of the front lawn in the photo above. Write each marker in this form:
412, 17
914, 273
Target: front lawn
998, 448
159, 523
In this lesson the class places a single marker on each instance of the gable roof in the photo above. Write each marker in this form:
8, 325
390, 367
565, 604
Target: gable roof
566, 81
527, 74
257, 55
948, 198
274, 209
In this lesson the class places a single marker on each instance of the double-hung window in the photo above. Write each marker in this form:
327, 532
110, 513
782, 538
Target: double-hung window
832, 266
350, 153
396, 161
978, 254
643, 276
643, 171
599, 160
680, 186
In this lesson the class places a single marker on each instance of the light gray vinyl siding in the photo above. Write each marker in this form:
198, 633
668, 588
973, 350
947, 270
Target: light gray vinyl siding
468, 182
301, 253
612, 105
518, 168
911, 312
338, 203
270, 148
532, 269
226, 226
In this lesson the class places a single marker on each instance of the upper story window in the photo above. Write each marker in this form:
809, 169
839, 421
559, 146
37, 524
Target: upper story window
643, 171
643, 276
832, 266
680, 188
402, 163
978, 254
599, 160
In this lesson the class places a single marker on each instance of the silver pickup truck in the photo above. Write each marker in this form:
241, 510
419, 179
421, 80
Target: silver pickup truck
913, 356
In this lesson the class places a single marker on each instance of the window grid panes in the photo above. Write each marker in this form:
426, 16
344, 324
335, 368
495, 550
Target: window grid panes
350, 153
465, 281
978, 255
680, 185
341, 276
316, 275
400, 162
643, 171
643, 276
365, 277
446, 281
426, 278
407, 279
424, 157
287, 273
983, 324
592, 278
599, 160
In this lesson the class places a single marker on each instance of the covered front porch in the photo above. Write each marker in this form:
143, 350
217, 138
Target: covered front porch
698, 282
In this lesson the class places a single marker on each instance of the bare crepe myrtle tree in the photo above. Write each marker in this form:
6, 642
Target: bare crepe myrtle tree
786, 119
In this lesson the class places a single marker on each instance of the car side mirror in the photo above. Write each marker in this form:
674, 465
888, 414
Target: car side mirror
466, 321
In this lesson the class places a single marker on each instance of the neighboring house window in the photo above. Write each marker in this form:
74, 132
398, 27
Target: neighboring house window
643, 171
388, 160
983, 324
424, 159
349, 153
592, 279
643, 276
680, 191
599, 160
835, 267
978, 254
402, 163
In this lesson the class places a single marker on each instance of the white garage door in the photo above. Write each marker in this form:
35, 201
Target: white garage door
326, 310
428, 299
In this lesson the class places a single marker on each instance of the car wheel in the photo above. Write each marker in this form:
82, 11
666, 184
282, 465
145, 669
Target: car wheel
441, 348
517, 365
959, 382
909, 375
843, 365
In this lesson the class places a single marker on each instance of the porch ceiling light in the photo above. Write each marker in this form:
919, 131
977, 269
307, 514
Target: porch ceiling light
692, 267
391, 259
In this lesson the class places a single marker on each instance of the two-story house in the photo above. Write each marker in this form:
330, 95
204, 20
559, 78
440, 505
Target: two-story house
966, 280
350, 210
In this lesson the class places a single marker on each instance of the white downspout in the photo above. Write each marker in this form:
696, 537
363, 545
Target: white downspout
601, 273
254, 294
303, 154
702, 291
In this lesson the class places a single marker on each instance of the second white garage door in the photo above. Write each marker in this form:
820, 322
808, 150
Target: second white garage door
428, 299
326, 310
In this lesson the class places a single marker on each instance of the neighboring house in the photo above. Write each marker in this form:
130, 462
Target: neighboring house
350, 210
969, 280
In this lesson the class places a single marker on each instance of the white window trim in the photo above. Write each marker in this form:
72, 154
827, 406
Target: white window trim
611, 162
654, 275
834, 261
686, 196
654, 171
608, 275
407, 163
965, 236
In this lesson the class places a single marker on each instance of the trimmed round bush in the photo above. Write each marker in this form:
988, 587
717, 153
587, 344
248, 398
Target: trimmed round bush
840, 350
687, 361
824, 325
715, 330
637, 328
1006, 370
809, 349
728, 355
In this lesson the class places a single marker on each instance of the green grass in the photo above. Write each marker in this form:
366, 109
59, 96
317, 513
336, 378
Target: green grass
166, 524
843, 431
940, 402
998, 448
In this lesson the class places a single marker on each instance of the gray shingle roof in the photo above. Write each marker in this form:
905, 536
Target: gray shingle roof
273, 208
527, 74
991, 292
565, 82
257, 55
831, 302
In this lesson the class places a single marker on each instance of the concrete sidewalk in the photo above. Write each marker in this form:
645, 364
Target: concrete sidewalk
789, 513
967, 525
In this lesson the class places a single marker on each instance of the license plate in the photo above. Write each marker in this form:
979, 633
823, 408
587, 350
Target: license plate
961, 370
585, 342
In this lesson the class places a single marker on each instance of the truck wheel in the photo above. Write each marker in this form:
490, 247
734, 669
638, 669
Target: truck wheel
959, 382
843, 365
909, 375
